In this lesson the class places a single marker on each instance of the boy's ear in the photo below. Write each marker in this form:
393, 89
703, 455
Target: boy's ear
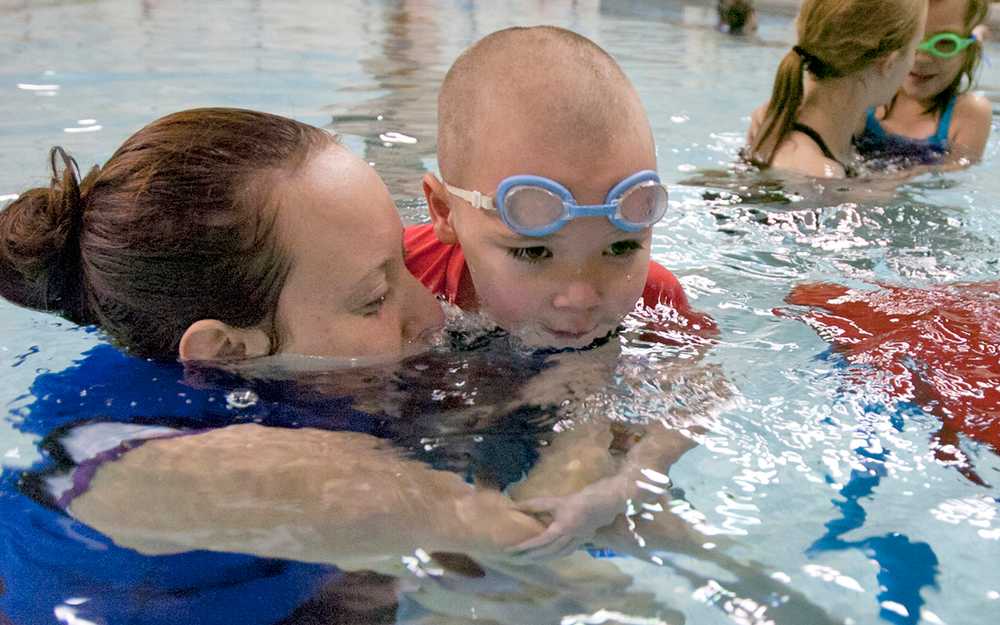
212, 340
437, 205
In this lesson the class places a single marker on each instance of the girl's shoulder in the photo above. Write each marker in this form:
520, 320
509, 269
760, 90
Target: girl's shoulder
972, 120
973, 106
799, 153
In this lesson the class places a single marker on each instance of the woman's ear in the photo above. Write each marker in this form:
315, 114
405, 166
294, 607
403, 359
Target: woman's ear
886, 63
212, 340
437, 205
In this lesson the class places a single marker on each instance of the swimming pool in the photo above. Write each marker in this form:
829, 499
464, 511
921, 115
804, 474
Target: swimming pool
815, 474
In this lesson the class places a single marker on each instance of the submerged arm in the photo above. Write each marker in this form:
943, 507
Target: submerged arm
303, 494
597, 472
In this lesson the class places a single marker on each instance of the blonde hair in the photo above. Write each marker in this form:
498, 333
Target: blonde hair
835, 38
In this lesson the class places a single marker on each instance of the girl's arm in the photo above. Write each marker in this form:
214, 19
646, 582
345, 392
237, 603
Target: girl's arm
970, 130
756, 119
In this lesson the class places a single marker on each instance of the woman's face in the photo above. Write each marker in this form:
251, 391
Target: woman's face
932, 75
348, 293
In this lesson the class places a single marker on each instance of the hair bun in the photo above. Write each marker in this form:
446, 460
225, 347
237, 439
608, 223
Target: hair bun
40, 265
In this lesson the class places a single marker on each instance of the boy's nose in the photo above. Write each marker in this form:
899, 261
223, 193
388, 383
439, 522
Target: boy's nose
577, 294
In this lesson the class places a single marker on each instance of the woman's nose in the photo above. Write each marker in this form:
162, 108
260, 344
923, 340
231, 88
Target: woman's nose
420, 311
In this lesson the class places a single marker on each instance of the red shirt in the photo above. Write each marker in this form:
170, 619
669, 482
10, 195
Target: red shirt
939, 346
441, 268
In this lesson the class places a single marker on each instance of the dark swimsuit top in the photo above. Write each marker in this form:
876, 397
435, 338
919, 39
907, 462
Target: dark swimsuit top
887, 148
817, 138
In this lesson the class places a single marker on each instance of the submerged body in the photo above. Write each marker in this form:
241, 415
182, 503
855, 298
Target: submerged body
937, 346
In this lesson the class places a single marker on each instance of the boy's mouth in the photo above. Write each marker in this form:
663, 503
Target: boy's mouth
919, 77
570, 335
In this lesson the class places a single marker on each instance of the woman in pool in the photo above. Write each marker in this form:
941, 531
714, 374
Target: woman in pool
219, 234
933, 119
856, 53
226, 235
223, 235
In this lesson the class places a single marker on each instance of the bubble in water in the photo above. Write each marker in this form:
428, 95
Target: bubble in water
240, 399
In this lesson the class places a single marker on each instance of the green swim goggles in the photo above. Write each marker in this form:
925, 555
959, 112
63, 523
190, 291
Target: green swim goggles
946, 45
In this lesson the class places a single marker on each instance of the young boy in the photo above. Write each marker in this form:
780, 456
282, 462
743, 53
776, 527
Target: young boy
542, 216
542, 220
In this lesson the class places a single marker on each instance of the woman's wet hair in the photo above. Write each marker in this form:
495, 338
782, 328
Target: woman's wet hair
177, 226
835, 38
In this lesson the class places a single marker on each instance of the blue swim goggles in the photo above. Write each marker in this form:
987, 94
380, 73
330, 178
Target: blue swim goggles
534, 206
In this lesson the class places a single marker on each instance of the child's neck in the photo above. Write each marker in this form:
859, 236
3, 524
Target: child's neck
907, 107
835, 108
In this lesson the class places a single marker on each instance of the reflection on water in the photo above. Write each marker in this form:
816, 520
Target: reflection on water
816, 487
407, 65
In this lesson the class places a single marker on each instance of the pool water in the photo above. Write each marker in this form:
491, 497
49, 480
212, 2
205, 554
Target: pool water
813, 469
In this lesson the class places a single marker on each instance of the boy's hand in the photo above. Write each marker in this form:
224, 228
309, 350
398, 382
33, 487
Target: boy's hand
574, 518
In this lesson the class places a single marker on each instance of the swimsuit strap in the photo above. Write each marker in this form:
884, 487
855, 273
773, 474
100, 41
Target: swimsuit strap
821, 144
944, 124
873, 126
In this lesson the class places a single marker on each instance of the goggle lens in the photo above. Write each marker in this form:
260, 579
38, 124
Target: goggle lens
946, 45
644, 205
532, 208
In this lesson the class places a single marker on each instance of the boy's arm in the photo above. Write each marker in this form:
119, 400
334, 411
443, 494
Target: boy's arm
640, 477
303, 494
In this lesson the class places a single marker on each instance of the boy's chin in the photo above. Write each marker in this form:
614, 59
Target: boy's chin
541, 337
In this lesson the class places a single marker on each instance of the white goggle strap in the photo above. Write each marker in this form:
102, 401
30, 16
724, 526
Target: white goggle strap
477, 199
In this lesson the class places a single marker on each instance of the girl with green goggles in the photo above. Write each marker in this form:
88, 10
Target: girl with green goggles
934, 119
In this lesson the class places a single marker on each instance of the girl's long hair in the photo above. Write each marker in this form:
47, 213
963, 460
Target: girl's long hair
835, 38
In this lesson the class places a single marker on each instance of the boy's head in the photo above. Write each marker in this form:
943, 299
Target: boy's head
544, 102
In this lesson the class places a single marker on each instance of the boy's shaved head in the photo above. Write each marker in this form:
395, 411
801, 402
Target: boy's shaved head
540, 88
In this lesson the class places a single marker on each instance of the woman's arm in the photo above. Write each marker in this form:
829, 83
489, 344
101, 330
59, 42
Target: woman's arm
303, 494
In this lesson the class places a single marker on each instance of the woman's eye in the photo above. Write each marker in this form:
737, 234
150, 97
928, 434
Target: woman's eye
530, 254
623, 248
373, 307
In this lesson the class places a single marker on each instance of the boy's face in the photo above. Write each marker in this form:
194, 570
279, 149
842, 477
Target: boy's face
570, 287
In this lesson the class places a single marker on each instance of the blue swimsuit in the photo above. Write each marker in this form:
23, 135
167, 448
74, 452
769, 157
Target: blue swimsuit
883, 148
51, 563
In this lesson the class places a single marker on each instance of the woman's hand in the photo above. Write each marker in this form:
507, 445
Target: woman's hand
573, 518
